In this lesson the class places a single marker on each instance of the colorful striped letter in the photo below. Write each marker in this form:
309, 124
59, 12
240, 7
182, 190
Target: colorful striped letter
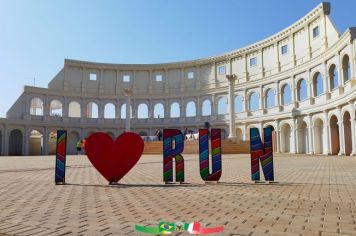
261, 151
169, 153
204, 154
61, 152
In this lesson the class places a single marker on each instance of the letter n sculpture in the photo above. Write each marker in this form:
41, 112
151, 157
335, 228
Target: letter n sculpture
204, 154
61, 151
170, 137
261, 152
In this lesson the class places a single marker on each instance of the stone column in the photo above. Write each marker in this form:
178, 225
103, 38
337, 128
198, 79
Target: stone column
261, 101
25, 141
213, 105
310, 135
45, 141
83, 109
296, 135
65, 108
117, 109
341, 132
101, 110
327, 134
340, 72
245, 104
198, 107
128, 94
326, 81
292, 51
325, 37
6, 141
232, 130
278, 135
309, 49
166, 112
150, 109
245, 137
293, 147
278, 96
278, 63
353, 132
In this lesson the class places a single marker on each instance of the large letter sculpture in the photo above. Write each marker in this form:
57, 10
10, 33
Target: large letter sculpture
261, 152
169, 153
204, 154
61, 151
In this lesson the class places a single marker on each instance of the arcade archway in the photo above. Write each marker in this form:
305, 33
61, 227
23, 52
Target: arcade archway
334, 135
15, 143
73, 138
303, 140
347, 133
318, 136
35, 143
286, 138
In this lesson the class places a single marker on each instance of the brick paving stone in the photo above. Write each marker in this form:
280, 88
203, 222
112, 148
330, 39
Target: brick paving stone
313, 195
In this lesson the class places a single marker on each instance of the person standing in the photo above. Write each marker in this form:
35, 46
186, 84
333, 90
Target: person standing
159, 134
79, 147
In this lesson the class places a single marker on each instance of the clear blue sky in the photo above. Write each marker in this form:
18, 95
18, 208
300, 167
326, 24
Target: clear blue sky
36, 36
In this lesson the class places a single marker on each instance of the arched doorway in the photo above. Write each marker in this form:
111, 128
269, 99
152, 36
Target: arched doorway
274, 143
334, 135
347, 133
52, 142
239, 134
346, 69
73, 138
302, 135
318, 136
35, 145
286, 137
15, 143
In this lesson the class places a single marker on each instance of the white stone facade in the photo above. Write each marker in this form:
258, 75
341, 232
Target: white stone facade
310, 53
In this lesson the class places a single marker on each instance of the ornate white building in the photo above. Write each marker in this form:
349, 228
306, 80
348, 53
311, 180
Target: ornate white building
301, 81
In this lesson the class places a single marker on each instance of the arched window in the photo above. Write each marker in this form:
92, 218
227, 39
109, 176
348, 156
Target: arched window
158, 111
222, 106
334, 80
302, 90
346, 70
175, 110
56, 108
286, 95
270, 100
92, 110
74, 109
123, 111
190, 109
36, 107
253, 102
142, 111
109, 111
318, 84
238, 104
206, 108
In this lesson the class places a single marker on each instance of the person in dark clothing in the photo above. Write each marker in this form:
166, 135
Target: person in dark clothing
159, 134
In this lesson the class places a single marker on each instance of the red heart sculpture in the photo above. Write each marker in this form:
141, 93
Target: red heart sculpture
114, 159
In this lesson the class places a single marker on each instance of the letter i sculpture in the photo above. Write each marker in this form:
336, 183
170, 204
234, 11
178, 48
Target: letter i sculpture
61, 156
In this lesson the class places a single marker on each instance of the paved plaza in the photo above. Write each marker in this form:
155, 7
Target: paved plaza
314, 195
